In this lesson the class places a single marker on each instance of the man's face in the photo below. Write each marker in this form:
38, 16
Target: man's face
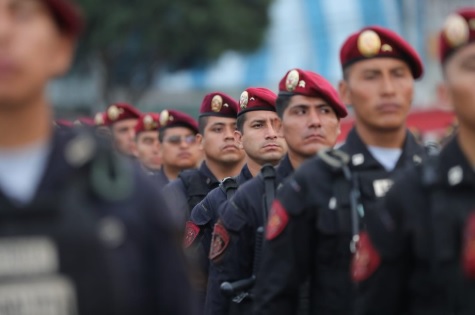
180, 148
123, 133
260, 137
147, 149
309, 124
380, 91
32, 51
460, 84
218, 142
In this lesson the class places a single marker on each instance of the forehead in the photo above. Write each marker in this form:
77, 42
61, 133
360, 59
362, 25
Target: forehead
298, 100
126, 123
148, 134
378, 64
177, 131
260, 115
212, 120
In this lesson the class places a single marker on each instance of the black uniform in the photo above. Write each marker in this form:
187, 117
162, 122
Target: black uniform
240, 217
95, 239
312, 231
425, 242
184, 193
160, 179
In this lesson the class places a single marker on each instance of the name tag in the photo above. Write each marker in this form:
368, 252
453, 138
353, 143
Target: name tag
382, 186
24, 256
45, 296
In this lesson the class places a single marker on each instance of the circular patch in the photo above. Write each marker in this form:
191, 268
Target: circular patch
292, 80
369, 43
80, 150
164, 116
456, 30
113, 112
148, 122
244, 100
216, 103
112, 232
99, 119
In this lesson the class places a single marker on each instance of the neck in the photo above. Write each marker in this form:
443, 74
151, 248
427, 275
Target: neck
221, 171
171, 172
295, 159
384, 139
466, 140
255, 167
25, 124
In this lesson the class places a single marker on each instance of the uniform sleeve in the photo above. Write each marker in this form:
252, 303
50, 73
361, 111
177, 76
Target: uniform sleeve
385, 291
287, 252
177, 202
231, 253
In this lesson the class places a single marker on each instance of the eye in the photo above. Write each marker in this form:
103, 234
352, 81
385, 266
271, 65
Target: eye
300, 111
217, 129
257, 125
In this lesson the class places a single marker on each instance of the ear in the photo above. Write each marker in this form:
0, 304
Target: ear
135, 151
338, 130
238, 138
62, 54
344, 91
444, 96
200, 140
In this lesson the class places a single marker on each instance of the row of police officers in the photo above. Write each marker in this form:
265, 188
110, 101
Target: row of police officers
247, 210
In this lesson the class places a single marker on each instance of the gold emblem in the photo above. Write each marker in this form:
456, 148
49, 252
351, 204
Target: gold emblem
99, 119
164, 117
114, 112
369, 43
456, 30
302, 84
216, 103
149, 123
292, 80
244, 99
386, 48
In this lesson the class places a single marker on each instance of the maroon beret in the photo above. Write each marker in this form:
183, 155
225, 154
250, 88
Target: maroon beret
67, 15
173, 118
121, 111
257, 99
85, 121
63, 123
376, 42
308, 83
458, 30
219, 104
147, 122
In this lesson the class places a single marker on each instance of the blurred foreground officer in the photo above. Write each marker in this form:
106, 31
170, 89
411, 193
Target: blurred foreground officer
81, 231
147, 145
312, 222
257, 132
423, 260
121, 118
310, 112
179, 149
222, 156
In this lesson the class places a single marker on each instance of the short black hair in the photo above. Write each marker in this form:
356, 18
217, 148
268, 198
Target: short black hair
161, 134
202, 123
281, 103
241, 119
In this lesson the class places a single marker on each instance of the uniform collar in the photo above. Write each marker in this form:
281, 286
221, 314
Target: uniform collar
210, 178
361, 158
455, 169
284, 169
245, 173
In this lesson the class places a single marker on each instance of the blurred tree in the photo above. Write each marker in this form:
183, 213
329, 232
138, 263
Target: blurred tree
129, 41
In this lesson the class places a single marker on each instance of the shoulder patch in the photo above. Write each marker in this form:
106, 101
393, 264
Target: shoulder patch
219, 242
191, 232
277, 221
469, 247
366, 260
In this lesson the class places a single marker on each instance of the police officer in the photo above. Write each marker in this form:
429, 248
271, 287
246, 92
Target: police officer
121, 119
257, 132
310, 111
147, 145
179, 149
222, 156
316, 217
81, 231
422, 256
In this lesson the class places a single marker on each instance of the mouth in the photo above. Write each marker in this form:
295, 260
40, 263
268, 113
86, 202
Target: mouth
271, 146
184, 155
314, 138
389, 107
7, 68
230, 147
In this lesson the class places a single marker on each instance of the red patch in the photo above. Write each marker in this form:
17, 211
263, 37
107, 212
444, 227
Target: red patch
277, 221
191, 232
366, 260
220, 241
469, 247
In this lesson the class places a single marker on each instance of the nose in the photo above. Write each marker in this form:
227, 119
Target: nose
314, 120
271, 131
229, 133
388, 86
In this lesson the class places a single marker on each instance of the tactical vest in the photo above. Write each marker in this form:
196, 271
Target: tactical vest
197, 186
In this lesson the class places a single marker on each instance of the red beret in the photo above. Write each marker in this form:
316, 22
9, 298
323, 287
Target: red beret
257, 99
120, 111
173, 118
85, 121
63, 123
147, 122
219, 104
459, 30
308, 83
376, 42
67, 15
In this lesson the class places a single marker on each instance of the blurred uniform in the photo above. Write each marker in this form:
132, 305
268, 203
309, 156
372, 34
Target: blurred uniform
312, 223
315, 102
423, 259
